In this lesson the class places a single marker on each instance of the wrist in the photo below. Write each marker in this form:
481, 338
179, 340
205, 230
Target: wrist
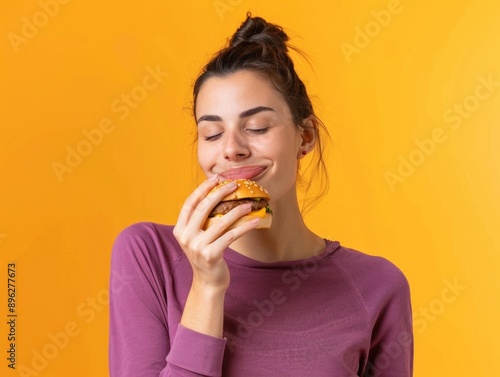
207, 289
204, 309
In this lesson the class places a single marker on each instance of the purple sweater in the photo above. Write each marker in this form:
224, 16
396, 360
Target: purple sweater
341, 314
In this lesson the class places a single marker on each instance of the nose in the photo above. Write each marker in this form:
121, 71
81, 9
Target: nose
235, 146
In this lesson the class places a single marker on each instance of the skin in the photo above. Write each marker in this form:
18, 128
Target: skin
251, 134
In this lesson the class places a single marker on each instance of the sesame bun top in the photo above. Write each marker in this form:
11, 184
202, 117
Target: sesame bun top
246, 189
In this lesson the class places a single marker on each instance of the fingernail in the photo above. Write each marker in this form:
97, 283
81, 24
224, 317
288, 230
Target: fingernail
231, 184
246, 206
213, 178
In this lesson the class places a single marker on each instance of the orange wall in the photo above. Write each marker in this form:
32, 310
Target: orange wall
96, 134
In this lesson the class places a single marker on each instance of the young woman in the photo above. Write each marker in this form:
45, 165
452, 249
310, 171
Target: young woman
251, 302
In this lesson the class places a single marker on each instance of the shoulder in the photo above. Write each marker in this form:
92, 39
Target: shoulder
376, 279
367, 267
141, 230
146, 240
146, 231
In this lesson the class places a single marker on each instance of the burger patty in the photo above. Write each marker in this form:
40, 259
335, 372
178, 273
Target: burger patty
224, 207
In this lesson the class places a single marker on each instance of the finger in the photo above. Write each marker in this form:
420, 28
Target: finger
233, 234
226, 222
205, 245
192, 201
200, 214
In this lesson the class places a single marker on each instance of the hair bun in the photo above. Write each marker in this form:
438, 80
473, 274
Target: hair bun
259, 31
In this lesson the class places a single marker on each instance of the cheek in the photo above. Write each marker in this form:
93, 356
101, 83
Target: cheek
205, 157
289, 146
210, 153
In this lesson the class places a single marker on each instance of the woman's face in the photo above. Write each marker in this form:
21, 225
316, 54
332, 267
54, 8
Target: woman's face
245, 130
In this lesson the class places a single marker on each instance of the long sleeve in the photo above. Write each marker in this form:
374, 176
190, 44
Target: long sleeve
384, 293
146, 339
342, 313
391, 349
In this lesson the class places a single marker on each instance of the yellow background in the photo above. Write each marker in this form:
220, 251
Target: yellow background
397, 86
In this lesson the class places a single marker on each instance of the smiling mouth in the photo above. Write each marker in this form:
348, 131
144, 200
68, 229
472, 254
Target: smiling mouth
245, 172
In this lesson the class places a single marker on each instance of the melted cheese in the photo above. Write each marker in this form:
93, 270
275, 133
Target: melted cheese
259, 213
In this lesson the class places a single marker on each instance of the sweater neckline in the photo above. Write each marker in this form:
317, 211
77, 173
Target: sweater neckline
233, 256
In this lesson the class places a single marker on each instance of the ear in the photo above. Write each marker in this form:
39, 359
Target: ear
307, 133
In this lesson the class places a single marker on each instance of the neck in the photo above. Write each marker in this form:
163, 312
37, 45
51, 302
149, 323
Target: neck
288, 239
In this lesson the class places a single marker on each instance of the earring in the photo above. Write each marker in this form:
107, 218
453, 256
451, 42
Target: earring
304, 153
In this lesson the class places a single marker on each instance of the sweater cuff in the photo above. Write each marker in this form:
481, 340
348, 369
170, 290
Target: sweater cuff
197, 352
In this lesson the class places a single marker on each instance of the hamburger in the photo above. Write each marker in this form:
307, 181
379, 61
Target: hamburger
247, 191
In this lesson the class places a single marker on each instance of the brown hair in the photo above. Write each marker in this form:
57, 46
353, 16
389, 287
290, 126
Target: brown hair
262, 47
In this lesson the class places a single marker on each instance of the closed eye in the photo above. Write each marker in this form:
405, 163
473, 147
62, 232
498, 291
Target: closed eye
212, 137
258, 131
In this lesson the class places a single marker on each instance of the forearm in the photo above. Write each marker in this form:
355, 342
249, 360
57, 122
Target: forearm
204, 310
198, 346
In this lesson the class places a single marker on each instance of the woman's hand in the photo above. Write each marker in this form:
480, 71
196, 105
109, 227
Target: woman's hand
204, 249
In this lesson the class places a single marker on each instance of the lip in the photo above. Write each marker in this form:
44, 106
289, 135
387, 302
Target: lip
243, 172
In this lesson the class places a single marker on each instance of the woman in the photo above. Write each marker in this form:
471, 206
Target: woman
245, 302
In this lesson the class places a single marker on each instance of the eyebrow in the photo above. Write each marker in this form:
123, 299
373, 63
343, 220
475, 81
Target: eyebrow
244, 114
